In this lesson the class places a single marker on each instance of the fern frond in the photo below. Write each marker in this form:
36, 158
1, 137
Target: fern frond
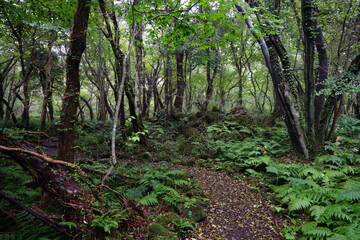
312, 173
299, 181
351, 231
172, 199
319, 194
322, 232
333, 173
330, 159
282, 190
176, 173
137, 192
149, 199
289, 197
299, 203
317, 211
182, 182
9, 236
337, 236
337, 212
351, 170
160, 189
278, 170
350, 191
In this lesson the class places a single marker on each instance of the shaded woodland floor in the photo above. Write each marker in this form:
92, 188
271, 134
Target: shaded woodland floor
236, 209
235, 173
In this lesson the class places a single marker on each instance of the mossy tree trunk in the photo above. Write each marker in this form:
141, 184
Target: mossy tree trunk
307, 10
70, 102
180, 80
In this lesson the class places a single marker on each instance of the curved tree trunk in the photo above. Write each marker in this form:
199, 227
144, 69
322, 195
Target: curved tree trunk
70, 103
285, 88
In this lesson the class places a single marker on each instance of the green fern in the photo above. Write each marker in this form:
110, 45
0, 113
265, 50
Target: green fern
299, 203
150, 199
350, 191
30, 228
318, 232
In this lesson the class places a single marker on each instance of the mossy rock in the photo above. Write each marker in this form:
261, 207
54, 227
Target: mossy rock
159, 231
178, 115
196, 212
211, 117
244, 120
167, 218
146, 156
187, 149
163, 156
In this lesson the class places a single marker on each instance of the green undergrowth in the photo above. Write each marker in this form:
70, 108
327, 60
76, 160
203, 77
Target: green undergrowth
166, 192
15, 223
321, 198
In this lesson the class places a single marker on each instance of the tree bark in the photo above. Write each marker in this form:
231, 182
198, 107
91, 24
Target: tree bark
9, 65
70, 103
168, 88
321, 77
180, 81
47, 174
334, 97
139, 73
46, 80
285, 88
210, 82
307, 10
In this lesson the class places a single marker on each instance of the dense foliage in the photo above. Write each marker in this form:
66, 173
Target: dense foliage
102, 101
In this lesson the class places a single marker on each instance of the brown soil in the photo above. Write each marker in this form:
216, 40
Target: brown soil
235, 210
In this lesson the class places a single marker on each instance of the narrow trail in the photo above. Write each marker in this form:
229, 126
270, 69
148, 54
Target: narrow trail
235, 211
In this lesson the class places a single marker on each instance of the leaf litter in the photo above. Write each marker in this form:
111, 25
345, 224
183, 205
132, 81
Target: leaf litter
235, 210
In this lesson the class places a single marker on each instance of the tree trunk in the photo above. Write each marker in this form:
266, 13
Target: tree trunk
101, 82
334, 97
180, 81
284, 85
70, 102
9, 65
46, 82
357, 106
210, 82
307, 10
88, 105
168, 88
25, 117
139, 73
322, 76
46, 173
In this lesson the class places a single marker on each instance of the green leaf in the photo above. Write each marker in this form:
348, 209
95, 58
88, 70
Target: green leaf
299, 203
68, 224
149, 199
319, 232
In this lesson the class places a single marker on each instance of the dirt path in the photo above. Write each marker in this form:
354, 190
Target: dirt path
235, 211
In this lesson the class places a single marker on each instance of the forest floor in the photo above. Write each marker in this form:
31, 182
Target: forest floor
236, 210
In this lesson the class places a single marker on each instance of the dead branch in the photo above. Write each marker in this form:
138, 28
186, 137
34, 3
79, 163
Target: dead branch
45, 158
34, 213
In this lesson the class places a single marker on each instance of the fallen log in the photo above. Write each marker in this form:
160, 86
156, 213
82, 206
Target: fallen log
58, 186
34, 213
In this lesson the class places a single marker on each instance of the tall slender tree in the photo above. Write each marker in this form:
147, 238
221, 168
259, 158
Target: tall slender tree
70, 102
